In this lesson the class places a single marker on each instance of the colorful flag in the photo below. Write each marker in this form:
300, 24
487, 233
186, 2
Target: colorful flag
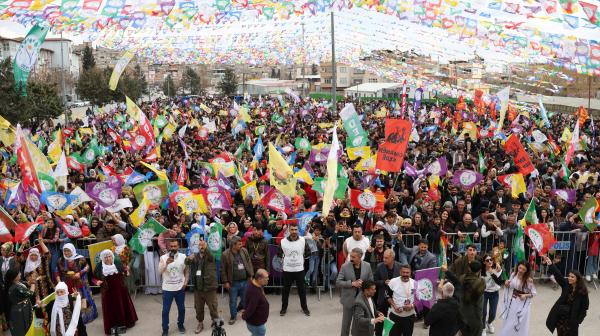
193, 204
340, 190
572, 144
104, 193
425, 287
55, 147
215, 239
302, 144
357, 136
587, 213
515, 150
531, 214
515, 182
250, 191
358, 152
259, 149
134, 178
139, 215
28, 171
78, 197
303, 219
438, 167
540, 236
143, 236
281, 175
390, 154
466, 179
24, 230
27, 55
564, 172
7, 223
56, 200
159, 173
366, 199
155, 191
332, 173
276, 200
519, 244
47, 182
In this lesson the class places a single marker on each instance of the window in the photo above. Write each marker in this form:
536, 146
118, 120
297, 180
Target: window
357, 81
327, 80
343, 81
5, 46
372, 80
342, 69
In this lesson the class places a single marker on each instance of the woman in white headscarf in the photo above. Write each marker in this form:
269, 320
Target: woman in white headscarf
73, 269
65, 317
122, 251
117, 307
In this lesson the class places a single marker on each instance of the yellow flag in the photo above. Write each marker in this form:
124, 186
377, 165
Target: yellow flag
55, 147
4, 123
332, 182
159, 173
118, 70
132, 109
517, 185
382, 113
366, 163
470, 128
226, 168
40, 162
281, 175
168, 131
303, 175
7, 136
205, 108
566, 135
86, 130
67, 211
244, 114
356, 152
137, 217
193, 204
249, 190
194, 123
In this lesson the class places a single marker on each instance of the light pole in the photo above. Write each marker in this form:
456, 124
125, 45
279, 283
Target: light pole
62, 79
305, 89
333, 69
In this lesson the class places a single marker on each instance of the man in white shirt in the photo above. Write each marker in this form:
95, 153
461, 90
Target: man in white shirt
174, 281
357, 240
293, 250
401, 297
365, 314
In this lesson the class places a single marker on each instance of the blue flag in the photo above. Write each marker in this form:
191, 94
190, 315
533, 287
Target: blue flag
56, 200
303, 219
259, 149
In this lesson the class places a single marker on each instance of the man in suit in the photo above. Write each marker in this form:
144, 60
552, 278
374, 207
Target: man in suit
385, 271
366, 316
350, 279
418, 256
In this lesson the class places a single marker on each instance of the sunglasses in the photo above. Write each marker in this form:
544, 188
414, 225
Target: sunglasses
486, 260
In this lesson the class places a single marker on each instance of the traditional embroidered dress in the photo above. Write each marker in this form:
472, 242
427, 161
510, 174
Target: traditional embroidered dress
516, 311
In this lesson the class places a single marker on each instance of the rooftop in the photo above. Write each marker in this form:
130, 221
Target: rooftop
373, 87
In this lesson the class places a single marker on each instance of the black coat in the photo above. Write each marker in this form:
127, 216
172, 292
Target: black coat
380, 276
577, 310
444, 318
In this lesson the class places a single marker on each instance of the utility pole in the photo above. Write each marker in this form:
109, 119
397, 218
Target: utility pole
305, 88
62, 79
333, 68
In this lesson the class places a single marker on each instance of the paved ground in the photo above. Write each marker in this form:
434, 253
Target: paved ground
325, 316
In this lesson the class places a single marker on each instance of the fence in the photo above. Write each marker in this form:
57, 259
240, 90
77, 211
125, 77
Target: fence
570, 247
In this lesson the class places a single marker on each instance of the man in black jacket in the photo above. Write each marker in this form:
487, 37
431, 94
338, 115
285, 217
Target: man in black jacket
444, 317
385, 271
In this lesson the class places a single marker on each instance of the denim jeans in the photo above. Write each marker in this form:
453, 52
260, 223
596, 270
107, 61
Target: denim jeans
492, 298
168, 297
260, 330
591, 267
313, 270
333, 272
238, 289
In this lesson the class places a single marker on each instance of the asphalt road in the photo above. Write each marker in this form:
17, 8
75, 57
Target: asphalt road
325, 316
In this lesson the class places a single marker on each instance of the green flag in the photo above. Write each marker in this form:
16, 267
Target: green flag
160, 121
144, 234
27, 55
91, 152
340, 190
587, 213
215, 240
387, 326
531, 214
302, 144
519, 244
481, 163
564, 171
78, 139
156, 191
47, 181
277, 118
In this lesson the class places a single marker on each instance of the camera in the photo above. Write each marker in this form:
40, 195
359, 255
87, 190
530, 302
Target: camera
172, 254
217, 327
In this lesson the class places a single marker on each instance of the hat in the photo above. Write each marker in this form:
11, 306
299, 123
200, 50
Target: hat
69, 217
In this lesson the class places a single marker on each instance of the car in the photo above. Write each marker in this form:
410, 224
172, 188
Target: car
79, 103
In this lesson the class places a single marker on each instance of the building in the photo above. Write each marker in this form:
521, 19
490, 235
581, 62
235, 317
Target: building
266, 86
346, 76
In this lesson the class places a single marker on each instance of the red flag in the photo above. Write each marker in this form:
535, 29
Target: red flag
390, 155
152, 155
6, 224
277, 201
145, 129
366, 199
74, 164
460, 104
182, 174
25, 163
114, 135
72, 231
590, 11
23, 231
540, 236
514, 149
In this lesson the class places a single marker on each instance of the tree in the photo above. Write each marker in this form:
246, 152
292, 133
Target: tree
92, 85
88, 58
42, 100
190, 82
229, 83
168, 87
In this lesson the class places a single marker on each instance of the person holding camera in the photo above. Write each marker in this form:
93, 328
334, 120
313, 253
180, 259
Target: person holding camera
256, 312
174, 280
204, 278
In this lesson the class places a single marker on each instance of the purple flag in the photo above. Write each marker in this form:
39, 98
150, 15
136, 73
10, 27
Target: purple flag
425, 285
439, 167
216, 199
33, 199
104, 193
276, 262
318, 156
409, 169
569, 195
466, 179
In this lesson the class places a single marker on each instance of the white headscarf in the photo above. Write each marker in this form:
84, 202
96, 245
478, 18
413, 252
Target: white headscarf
60, 302
31, 265
74, 254
120, 243
108, 269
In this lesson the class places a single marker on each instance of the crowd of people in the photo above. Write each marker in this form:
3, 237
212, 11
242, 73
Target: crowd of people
213, 192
